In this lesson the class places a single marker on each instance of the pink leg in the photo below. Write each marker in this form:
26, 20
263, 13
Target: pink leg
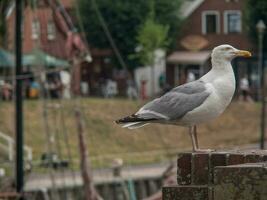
193, 135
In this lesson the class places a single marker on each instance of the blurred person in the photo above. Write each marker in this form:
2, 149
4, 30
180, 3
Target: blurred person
54, 87
84, 88
190, 77
6, 91
245, 89
131, 89
111, 89
162, 80
34, 89
65, 78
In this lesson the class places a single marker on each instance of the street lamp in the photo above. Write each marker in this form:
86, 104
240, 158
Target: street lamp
261, 28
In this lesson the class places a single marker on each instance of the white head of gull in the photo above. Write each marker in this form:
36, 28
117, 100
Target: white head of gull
194, 102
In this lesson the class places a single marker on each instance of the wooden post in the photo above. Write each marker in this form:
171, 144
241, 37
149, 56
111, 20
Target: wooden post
90, 192
76, 76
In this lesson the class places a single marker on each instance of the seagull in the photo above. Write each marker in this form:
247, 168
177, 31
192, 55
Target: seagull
195, 102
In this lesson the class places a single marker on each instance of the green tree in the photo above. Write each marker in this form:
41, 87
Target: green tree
150, 37
255, 11
123, 18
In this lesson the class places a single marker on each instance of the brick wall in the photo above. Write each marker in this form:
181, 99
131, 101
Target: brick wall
192, 25
43, 14
206, 176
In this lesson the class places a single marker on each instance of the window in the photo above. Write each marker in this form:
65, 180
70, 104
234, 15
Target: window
35, 29
210, 22
51, 30
232, 21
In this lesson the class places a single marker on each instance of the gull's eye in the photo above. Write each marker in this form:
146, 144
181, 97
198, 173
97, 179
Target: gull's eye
227, 48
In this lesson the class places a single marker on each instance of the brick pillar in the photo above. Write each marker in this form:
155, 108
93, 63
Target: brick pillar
196, 173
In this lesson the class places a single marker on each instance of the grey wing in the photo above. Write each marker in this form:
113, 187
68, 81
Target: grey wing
176, 103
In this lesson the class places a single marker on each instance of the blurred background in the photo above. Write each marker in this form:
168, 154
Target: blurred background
86, 63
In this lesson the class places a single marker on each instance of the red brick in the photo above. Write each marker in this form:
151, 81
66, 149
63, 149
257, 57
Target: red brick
235, 158
216, 159
184, 169
200, 168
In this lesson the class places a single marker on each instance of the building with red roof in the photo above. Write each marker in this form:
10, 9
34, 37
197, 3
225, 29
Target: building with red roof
49, 26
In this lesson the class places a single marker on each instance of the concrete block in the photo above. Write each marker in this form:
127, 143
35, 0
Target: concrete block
241, 182
186, 193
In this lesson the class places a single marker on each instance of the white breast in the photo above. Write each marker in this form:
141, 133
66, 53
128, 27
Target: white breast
221, 87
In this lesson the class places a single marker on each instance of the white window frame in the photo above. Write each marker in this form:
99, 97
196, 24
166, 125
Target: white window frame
51, 30
204, 23
36, 26
225, 14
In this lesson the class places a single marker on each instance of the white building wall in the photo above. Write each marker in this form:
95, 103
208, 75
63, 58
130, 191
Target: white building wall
145, 73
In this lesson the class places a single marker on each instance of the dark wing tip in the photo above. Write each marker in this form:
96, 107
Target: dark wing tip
133, 118
118, 121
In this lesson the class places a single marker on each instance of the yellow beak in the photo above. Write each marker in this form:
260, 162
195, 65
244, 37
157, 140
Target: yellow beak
243, 53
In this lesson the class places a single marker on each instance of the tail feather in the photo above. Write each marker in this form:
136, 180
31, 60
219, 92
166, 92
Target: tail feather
134, 125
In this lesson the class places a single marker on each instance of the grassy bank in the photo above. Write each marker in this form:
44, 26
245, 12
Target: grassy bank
237, 126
